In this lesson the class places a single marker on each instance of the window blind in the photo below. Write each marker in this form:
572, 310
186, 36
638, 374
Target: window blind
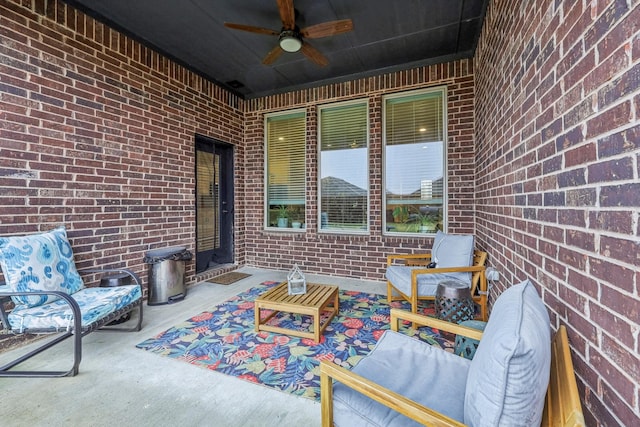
414, 159
285, 136
414, 119
344, 184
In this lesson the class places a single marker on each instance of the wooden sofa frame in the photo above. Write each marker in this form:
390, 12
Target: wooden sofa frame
101, 324
562, 403
479, 290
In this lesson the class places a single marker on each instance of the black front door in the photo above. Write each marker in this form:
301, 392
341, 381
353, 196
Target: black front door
214, 203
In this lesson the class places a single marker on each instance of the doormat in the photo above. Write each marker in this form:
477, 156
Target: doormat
228, 278
224, 340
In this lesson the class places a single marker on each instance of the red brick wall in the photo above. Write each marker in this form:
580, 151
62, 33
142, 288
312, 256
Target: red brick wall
97, 134
558, 138
345, 255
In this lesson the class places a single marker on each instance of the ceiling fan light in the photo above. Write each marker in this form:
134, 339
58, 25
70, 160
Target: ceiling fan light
290, 41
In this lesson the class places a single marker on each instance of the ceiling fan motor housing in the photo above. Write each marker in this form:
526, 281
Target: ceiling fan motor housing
290, 40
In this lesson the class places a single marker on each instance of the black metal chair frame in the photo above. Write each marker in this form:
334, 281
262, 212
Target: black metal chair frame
100, 324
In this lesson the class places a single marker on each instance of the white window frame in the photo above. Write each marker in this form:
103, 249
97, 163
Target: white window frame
445, 169
365, 231
265, 215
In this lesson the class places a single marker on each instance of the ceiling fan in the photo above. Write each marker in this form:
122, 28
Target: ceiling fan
292, 39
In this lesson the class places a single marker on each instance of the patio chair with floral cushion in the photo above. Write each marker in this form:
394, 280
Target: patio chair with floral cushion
49, 296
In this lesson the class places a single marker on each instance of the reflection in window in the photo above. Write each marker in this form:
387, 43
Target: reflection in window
285, 171
414, 152
344, 182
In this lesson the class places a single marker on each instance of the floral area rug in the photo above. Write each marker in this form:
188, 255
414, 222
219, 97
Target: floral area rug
224, 340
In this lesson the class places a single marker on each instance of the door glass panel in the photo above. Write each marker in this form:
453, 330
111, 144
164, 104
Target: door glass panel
208, 193
214, 203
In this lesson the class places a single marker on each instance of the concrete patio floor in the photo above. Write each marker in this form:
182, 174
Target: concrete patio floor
120, 385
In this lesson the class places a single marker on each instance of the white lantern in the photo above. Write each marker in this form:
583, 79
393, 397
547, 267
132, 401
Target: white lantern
296, 281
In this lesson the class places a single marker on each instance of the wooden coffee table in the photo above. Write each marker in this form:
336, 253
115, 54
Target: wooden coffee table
318, 299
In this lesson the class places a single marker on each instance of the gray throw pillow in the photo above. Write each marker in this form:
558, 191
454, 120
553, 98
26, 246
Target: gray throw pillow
509, 373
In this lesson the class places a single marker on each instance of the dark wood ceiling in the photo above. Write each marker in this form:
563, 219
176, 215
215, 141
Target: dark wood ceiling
388, 35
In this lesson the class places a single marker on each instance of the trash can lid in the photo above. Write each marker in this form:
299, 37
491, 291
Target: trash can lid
162, 252
173, 252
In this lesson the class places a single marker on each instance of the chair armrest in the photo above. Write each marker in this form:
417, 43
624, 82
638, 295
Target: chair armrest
562, 403
330, 371
470, 269
409, 258
442, 325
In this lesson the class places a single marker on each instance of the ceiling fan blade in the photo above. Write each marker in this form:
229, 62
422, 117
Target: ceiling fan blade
251, 29
314, 54
287, 14
272, 55
325, 29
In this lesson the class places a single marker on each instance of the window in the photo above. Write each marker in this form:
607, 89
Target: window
344, 173
285, 170
414, 162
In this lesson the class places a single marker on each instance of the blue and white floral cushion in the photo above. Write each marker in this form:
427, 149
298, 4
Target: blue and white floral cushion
39, 262
95, 303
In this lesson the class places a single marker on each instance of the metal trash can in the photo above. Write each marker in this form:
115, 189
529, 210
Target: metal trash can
166, 274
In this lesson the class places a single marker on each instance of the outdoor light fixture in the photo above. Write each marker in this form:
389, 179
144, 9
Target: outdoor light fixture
290, 41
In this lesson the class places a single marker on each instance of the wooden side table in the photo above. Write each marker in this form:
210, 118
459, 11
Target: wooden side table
317, 300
